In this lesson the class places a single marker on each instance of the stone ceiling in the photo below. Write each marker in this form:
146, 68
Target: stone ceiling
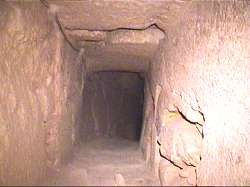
116, 35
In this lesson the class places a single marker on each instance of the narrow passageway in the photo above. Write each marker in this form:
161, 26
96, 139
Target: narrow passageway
112, 105
109, 151
124, 92
99, 161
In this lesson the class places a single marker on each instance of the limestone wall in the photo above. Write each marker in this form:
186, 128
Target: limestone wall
40, 93
196, 107
203, 69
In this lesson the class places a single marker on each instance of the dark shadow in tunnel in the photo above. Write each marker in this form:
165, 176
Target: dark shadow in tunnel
113, 105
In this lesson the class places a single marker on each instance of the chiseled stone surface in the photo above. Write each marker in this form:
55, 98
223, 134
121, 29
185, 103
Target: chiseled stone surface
121, 49
39, 96
193, 55
110, 14
204, 67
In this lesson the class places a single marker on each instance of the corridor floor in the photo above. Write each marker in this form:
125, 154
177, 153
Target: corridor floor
98, 162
